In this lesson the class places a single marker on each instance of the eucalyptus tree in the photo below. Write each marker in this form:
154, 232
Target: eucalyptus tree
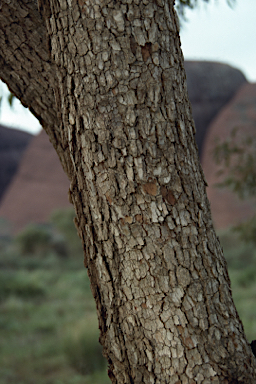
106, 80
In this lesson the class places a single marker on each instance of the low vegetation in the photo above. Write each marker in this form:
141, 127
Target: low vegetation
241, 259
48, 325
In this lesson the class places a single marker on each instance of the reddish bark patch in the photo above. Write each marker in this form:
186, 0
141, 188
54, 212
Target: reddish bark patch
163, 191
82, 5
108, 198
188, 342
139, 218
133, 45
146, 51
168, 195
128, 219
150, 188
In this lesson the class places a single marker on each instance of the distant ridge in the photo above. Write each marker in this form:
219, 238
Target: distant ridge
210, 85
240, 112
13, 143
40, 185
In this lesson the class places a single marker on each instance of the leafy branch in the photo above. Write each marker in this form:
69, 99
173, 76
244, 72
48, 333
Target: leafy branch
237, 158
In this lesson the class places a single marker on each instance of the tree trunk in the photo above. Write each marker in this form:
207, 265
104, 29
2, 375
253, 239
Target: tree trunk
111, 94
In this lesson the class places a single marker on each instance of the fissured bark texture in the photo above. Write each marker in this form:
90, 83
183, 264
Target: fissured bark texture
124, 132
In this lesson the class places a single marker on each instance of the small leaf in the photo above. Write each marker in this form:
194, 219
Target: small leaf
11, 98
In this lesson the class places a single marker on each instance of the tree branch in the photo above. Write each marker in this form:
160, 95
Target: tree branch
26, 66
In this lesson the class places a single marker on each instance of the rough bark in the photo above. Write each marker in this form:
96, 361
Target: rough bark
123, 129
27, 69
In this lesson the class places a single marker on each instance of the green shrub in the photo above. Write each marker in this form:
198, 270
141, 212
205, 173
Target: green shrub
34, 240
247, 277
83, 349
59, 246
59, 237
247, 230
63, 222
239, 254
21, 285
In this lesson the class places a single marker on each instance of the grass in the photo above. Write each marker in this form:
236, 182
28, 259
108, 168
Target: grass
48, 327
47, 335
83, 353
241, 259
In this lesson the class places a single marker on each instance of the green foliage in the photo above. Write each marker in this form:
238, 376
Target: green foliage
59, 237
63, 222
247, 277
238, 254
48, 328
20, 285
247, 230
12, 259
11, 99
182, 5
40, 310
82, 348
34, 240
241, 258
236, 157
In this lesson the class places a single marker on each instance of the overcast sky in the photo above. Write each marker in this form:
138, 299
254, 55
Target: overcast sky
212, 32
217, 32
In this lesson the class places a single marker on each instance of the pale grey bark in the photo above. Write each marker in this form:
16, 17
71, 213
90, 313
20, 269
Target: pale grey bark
124, 132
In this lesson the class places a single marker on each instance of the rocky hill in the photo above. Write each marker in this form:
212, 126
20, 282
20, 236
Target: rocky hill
210, 87
40, 186
240, 113
13, 143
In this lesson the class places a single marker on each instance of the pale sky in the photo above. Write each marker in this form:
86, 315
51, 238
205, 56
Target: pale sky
217, 32
212, 32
